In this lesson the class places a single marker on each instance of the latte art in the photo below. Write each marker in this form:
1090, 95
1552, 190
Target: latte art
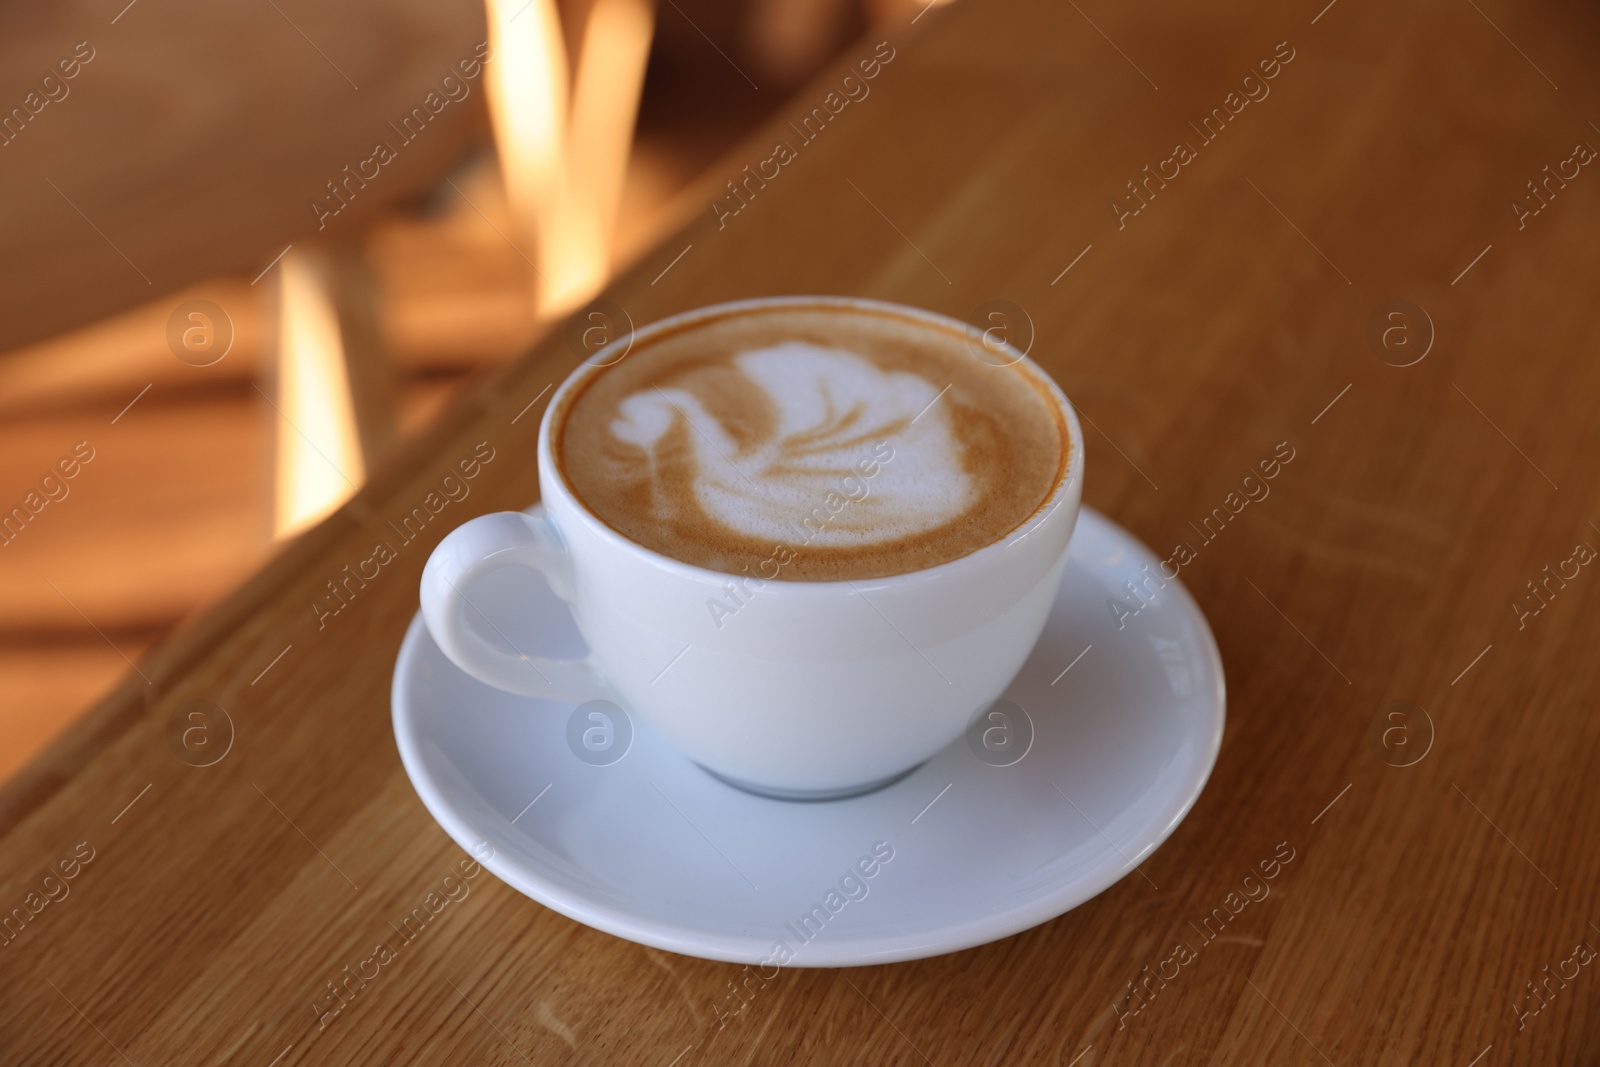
811, 444
867, 445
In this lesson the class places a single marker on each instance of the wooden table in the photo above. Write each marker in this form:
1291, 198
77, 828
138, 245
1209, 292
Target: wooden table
1405, 715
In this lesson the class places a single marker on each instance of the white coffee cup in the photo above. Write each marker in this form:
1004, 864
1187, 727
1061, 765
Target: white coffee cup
812, 689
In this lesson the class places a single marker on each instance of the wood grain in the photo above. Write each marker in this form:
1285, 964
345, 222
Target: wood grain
1223, 319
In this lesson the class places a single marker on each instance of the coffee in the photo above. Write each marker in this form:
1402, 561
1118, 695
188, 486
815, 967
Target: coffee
811, 443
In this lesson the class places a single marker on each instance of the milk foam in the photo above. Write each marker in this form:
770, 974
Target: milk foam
872, 447
827, 441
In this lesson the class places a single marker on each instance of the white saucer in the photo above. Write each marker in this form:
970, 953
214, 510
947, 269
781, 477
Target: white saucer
654, 849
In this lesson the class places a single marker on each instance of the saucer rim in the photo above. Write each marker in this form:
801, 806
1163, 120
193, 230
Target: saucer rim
863, 951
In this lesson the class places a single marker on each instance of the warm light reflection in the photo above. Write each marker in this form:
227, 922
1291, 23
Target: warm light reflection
318, 451
605, 105
526, 79
564, 178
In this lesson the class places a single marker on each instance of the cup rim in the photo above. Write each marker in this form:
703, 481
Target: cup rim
1068, 483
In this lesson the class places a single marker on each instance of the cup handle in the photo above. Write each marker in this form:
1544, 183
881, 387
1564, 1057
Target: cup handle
504, 538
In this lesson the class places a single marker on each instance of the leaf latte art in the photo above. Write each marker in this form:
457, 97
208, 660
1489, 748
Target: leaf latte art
842, 448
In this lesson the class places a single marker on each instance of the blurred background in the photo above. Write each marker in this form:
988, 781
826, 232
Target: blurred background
246, 249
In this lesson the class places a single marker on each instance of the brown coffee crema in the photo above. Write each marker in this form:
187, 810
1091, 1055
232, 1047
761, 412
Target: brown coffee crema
811, 443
